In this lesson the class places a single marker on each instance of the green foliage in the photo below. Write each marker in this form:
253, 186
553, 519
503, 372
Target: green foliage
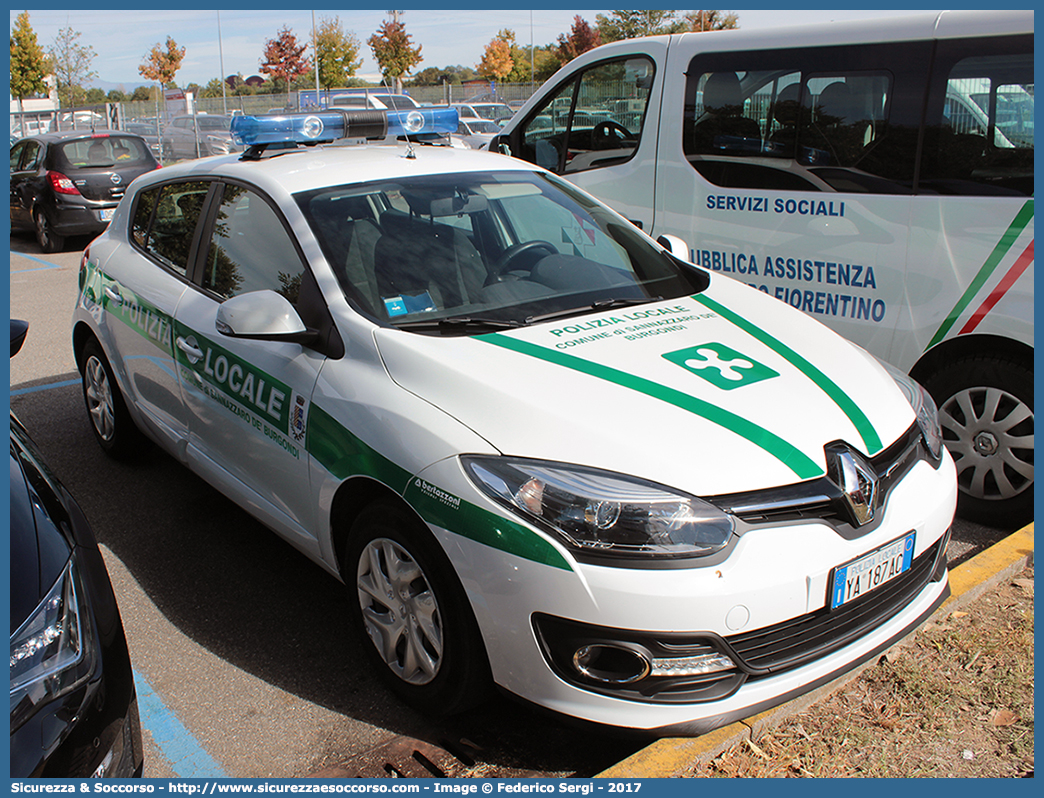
337, 53
71, 64
28, 63
393, 50
633, 24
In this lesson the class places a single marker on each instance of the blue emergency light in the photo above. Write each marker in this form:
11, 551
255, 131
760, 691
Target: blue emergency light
327, 126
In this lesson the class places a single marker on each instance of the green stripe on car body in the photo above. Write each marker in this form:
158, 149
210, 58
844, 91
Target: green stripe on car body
344, 455
788, 454
1022, 218
866, 430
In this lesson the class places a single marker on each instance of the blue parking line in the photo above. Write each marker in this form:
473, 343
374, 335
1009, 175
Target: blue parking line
186, 756
46, 264
46, 387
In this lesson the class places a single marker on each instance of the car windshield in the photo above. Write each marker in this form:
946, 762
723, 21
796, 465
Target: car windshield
104, 151
450, 254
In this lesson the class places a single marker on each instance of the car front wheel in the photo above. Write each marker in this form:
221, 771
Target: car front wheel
110, 421
411, 612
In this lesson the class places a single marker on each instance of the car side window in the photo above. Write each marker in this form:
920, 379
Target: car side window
165, 220
16, 155
33, 153
594, 120
250, 250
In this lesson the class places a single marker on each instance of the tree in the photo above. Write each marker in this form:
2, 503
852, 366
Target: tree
95, 96
632, 24
28, 62
394, 52
141, 94
71, 63
581, 38
496, 61
161, 65
117, 96
337, 53
284, 59
436, 76
710, 20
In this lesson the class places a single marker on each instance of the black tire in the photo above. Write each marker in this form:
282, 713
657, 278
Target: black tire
410, 613
48, 240
113, 427
986, 412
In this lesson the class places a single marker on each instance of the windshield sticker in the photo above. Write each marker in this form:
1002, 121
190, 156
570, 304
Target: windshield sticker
721, 365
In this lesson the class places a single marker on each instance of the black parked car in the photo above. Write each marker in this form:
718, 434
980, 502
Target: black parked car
66, 184
74, 711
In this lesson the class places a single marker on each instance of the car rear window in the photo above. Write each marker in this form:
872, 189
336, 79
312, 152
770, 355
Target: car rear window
105, 151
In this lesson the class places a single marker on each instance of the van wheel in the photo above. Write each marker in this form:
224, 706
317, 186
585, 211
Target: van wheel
48, 240
411, 613
111, 423
986, 412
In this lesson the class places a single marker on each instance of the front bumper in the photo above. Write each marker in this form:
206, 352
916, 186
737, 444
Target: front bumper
774, 584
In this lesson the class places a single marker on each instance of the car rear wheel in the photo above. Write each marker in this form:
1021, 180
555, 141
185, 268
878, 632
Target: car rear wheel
48, 240
411, 612
986, 412
110, 421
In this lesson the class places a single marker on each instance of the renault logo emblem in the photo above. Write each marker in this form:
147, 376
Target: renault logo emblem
857, 480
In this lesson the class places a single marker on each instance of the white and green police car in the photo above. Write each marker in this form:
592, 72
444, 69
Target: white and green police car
540, 450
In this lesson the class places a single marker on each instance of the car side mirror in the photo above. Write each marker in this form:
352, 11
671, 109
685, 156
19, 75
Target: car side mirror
18, 330
675, 246
264, 316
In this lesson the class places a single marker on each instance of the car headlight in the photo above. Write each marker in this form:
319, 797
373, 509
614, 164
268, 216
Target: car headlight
923, 406
54, 650
599, 512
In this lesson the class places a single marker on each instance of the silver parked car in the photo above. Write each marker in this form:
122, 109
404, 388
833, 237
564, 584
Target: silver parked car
197, 136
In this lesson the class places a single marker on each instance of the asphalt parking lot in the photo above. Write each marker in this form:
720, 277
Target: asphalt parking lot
239, 643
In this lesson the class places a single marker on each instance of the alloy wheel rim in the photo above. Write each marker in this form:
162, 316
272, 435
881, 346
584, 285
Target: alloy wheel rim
99, 398
989, 433
400, 611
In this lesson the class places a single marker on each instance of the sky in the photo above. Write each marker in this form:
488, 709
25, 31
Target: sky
122, 38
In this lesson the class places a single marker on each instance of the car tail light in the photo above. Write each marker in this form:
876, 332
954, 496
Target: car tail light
61, 184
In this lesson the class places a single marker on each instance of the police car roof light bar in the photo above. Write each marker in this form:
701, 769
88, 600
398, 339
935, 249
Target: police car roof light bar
288, 130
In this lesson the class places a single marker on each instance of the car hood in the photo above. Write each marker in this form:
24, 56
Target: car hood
685, 392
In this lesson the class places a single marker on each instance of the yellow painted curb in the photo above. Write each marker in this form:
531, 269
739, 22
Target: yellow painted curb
671, 755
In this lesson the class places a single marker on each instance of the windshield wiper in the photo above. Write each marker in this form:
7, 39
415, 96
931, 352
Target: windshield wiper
461, 324
601, 304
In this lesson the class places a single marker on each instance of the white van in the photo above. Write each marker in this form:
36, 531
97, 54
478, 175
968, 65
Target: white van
877, 175
381, 101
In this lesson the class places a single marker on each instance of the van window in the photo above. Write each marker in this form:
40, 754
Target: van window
979, 138
814, 119
593, 120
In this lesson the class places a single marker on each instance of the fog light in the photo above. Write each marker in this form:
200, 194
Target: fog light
691, 666
611, 664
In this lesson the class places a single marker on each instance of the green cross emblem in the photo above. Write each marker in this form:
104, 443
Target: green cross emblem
721, 365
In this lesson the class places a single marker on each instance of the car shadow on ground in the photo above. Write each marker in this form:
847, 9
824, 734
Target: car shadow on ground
236, 589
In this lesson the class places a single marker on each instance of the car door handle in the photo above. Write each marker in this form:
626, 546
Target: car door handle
189, 348
113, 295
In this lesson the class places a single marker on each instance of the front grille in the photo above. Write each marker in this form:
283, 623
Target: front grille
821, 499
800, 640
